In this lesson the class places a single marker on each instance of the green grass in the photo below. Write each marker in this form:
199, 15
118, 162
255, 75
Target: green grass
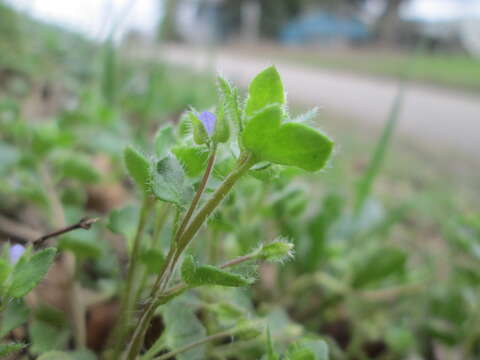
457, 71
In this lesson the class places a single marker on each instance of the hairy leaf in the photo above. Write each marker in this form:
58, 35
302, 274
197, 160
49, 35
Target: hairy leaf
169, 182
196, 275
290, 143
138, 167
164, 140
14, 315
29, 272
265, 89
193, 158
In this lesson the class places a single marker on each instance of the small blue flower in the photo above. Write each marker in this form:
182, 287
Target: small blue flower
208, 120
16, 252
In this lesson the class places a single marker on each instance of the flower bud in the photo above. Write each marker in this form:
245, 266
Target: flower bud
248, 330
208, 120
276, 251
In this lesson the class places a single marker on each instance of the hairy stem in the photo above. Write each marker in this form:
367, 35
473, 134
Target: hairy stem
198, 194
244, 164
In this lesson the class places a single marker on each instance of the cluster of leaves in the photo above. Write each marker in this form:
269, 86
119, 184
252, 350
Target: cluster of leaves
359, 280
239, 137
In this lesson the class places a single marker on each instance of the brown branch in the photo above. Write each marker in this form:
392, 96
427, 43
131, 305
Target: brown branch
84, 223
27, 235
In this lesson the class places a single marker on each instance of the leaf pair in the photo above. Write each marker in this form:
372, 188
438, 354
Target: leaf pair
269, 138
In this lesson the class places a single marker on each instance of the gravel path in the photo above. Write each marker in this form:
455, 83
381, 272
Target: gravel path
439, 119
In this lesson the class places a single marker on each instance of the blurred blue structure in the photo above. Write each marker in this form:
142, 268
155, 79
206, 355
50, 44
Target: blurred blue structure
324, 27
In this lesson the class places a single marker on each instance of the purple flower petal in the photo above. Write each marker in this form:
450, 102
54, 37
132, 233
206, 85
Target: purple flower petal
208, 120
16, 252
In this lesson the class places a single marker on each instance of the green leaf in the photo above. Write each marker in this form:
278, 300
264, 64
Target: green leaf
291, 143
169, 182
83, 354
308, 350
200, 135
84, 244
48, 331
196, 275
79, 168
153, 259
48, 137
183, 328
7, 349
382, 264
14, 315
226, 311
365, 183
193, 158
164, 140
123, 221
222, 129
5, 269
265, 89
55, 355
231, 102
271, 354
139, 168
29, 272
9, 155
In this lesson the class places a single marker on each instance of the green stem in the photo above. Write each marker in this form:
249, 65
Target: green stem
244, 164
185, 348
198, 194
129, 293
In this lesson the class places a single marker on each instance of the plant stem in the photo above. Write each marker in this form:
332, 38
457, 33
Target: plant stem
244, 164
193, 345
198, 194
159, 283
129, 293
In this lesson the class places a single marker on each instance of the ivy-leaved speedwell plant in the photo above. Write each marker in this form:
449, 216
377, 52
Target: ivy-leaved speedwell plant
192, 170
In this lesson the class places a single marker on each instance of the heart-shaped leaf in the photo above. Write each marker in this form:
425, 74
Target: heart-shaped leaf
265, 89
290, 143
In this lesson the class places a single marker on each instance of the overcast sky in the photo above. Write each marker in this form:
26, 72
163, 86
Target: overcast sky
95, 17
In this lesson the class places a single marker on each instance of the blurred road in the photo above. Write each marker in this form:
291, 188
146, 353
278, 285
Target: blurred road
439, 119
